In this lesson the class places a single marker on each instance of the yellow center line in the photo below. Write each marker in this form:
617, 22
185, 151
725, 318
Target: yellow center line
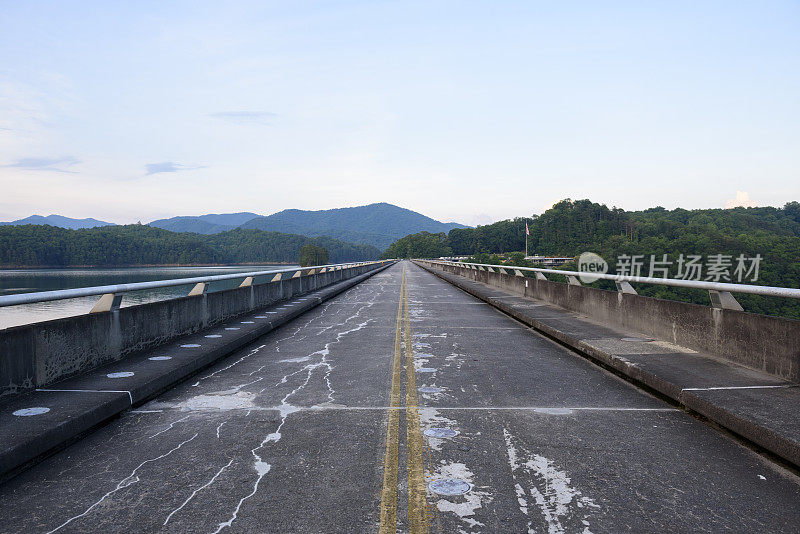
415, 445
388, 518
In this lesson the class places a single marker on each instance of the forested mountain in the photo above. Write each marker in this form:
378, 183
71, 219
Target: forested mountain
375, 224
378, 225
212, 223
34, 245
570, 228
58, 220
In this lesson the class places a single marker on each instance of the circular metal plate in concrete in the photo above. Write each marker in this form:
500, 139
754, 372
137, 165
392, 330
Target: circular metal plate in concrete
160, 358
121, 374
27, 412
450, 486
438, 432
426, 370
430, 389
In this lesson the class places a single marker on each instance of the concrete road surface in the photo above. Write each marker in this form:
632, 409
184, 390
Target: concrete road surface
319, 427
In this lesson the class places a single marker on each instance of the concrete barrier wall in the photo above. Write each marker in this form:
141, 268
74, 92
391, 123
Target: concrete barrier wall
770, 344
39, 354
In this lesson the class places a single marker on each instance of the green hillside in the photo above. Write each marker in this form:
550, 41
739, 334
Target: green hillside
572, 227
378, 225
204, 224
36, 245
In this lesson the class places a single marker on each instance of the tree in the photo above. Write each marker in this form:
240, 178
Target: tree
421, 245
39, 245
312, 255
571, 227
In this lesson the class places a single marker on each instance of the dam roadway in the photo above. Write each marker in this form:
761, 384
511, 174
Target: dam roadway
321, 426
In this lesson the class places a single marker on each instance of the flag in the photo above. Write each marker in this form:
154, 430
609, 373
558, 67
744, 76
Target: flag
527, 232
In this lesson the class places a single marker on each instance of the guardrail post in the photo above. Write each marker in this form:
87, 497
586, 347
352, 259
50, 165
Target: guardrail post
517, 272
247, 282
540, 276
108, 302
724, 300
198, 289
623, 286
571, 280
298, 274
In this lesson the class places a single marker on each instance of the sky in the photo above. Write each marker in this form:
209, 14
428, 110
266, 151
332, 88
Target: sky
464, 111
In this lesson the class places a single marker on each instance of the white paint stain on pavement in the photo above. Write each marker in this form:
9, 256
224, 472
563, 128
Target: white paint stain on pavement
430, 417
195, 492
241, 400
131, 479
172, 424
549, 488
423, 335
295, 360
463, 506
236, 362
286, 408
262, 468
431, 391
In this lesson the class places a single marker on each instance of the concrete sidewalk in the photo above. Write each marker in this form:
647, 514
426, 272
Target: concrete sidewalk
755, 405
35, 424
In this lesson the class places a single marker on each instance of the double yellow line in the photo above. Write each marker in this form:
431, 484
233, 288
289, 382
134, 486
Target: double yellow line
417, 502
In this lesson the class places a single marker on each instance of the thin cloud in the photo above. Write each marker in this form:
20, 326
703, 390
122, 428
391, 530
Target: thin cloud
742, 200
169, 166
44, 164
244, 117
480, 219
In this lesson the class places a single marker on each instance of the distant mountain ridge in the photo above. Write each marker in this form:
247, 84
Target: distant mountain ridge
378, 224
59, 221
212, 223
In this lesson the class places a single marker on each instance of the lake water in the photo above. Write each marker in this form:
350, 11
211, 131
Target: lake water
33, 280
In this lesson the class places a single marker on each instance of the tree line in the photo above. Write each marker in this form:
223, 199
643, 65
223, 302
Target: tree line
311, 254
136, 244
572, 227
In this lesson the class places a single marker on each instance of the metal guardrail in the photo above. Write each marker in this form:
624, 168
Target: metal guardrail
719, 292
111, 295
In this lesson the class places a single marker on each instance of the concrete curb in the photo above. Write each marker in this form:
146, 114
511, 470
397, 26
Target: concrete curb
29, 442
773, 442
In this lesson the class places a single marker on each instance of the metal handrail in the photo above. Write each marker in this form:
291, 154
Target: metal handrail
769, 291
61, 294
